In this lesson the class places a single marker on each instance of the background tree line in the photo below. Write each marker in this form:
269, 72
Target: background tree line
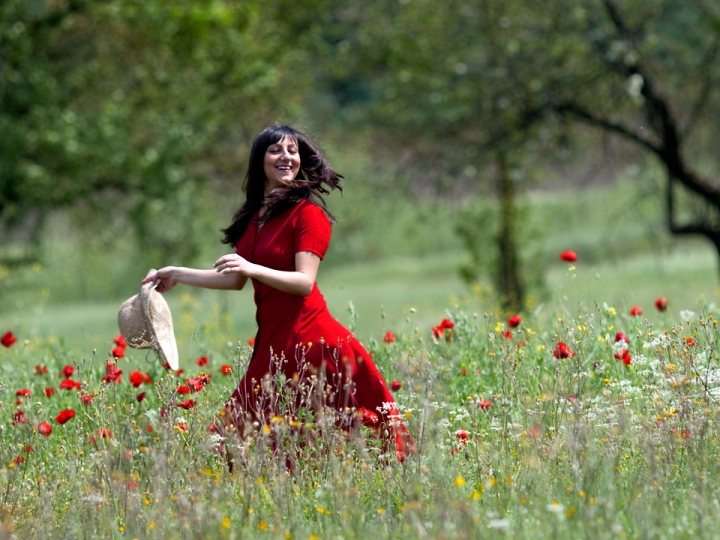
127, 114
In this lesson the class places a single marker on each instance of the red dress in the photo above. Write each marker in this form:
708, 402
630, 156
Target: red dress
300, 328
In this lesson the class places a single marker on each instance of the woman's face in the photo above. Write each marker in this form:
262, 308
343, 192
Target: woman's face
281, 163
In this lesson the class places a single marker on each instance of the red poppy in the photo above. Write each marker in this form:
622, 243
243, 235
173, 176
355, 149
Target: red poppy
462, 434
621, 337
635, 311
440, 330
120, 341
189, 404
395, 386
166, 365
507, 334
368, 418
19, 418
389, 337
50, 391
622, 353
44, 429
571, 398
18, 460
562, 351
484, 404
118, 352
86, 399
40, 370
113, 374
179, 372
149, 429
198, 383
691, 342
146, 378
463, 372
202, 361
67, 372
64, 416
514, 321
568, 256
23, 393
251, 342
627, 360
104, 433
182, 426
136, 379
226, 370
140, 396
183, 389
661, 304
69, 384
8, 339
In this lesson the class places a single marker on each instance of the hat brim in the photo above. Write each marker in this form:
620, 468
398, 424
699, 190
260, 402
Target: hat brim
155, 308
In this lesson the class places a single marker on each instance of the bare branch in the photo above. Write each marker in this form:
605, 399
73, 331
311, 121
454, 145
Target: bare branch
587, 116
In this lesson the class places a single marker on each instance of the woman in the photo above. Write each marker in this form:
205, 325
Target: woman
280, 235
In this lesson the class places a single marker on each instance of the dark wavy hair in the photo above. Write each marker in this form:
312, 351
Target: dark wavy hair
314, 179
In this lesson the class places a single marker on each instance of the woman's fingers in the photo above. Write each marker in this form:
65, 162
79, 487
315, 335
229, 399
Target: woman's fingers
152, 277
228, 263
224, 259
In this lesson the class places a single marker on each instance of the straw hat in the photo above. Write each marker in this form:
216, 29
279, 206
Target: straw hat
145, 322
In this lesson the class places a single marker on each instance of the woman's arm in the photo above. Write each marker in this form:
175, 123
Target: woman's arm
299, 282
169, 276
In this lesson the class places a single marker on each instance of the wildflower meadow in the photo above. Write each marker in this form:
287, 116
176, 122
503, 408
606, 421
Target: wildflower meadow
596, 425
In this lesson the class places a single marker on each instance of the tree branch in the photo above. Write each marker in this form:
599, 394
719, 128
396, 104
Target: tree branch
583, 114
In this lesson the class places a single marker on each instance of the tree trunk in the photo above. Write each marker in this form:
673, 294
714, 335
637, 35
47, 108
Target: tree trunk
509, 273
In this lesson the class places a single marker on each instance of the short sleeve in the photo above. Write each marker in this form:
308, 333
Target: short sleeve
311, 231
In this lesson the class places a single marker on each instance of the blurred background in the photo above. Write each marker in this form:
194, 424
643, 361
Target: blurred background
478, 139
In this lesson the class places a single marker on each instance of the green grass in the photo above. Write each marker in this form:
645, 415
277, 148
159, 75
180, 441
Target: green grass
391, 287
580, 447
384, 292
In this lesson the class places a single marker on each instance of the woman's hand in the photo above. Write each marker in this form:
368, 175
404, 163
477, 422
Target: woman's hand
165, 279
233, 263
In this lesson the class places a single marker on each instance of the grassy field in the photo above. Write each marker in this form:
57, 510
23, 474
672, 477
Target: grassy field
513, 440
518, 436
384, 292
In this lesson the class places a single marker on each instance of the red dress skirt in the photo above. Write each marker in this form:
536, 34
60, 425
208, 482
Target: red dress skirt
300, 332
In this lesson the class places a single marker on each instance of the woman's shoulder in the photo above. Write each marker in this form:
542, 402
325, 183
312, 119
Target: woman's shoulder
308, 208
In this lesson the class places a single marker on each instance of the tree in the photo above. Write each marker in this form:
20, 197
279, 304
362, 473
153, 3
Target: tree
665, 56
444, 85
128, 108
484, 80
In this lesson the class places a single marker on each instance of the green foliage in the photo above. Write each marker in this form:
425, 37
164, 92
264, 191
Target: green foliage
129, 107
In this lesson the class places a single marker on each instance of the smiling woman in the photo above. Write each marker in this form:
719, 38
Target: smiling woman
280, 235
